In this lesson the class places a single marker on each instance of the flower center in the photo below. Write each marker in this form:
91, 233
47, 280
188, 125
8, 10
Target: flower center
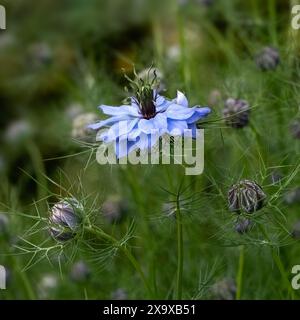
146, 101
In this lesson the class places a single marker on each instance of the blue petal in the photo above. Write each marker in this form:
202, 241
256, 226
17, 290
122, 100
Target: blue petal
147, 141
121, 110
124, 147
103, 123
176, 127
182, 100
121, 128
193, 129
146, 126
178, 112
160, 122
161, 103
199, 114
159, 100
95, 126
134, 133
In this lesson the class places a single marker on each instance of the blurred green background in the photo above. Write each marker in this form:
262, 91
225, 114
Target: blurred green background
61, 59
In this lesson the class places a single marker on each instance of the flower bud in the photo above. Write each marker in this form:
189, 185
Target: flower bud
80, 124
18, 131
73, 110
169, 209
276, 177
236, 113
267, 59
296, 230
40, 54
215, 96
292, 196
114, 210
246, 196
295, 128
80, 271
119, 294
206, 3
243, 226
47, 285
65, 219
174, 53
224, 289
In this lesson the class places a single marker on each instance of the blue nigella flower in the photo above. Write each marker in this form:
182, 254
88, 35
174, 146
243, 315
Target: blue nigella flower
148, 117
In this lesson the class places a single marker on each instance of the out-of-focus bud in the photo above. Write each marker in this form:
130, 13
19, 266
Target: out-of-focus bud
295, 128
7, 40
8, 276
80, 271
243, 225
3, 223
246, 196
275, 177
18, 131
169, 209
174, 53
292, 196
114, 209
80, 128
2, 164
215, 96
73, 110
182, 2
119, 294
40, 54
296, 230
47, 286
236, 113
267, 59
206, 3
224, 289
65, 219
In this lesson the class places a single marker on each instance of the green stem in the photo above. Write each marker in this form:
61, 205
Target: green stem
179, 251
27, 286
39, 168
272, 21
102, 235
158, 40
24, 279
128, 174
279, 265
282, 271
184, 61
240, 273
